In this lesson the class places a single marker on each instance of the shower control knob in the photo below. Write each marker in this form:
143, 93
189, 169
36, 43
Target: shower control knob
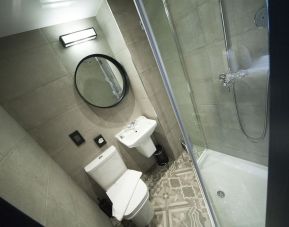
222, 77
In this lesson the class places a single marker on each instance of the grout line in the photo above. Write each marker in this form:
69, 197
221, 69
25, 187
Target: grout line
11, 150
44, 217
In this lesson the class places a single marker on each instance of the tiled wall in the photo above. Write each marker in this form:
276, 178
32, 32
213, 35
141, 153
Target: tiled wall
175, 70
31, 181
199, 30
168, 132
120, 50
36, 88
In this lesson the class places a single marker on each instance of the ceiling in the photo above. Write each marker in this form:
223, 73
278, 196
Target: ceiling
18, 16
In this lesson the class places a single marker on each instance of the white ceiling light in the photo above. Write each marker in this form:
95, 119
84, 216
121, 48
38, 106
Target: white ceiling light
77, 37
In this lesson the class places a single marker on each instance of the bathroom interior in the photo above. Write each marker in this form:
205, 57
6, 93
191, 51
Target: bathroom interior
82, 121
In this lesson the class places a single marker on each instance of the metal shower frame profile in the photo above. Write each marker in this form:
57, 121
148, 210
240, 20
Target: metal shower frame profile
165, 78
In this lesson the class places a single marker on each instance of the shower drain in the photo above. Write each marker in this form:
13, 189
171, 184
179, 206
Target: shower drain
221, 194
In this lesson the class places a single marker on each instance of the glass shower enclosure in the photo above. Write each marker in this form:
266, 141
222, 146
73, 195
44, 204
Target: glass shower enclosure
214, 61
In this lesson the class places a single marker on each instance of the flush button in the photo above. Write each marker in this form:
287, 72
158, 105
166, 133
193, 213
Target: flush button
100, 141
77, 138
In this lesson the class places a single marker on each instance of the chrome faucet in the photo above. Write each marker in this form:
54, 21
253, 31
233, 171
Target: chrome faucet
131, 126
228, 79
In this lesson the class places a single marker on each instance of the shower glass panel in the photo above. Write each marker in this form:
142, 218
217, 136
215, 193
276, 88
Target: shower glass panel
176, 72
215, 57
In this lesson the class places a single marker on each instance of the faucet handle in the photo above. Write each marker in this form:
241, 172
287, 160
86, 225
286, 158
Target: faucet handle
131, 125
222, 76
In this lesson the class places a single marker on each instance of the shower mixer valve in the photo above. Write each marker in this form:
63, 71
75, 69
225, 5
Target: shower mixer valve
228, 79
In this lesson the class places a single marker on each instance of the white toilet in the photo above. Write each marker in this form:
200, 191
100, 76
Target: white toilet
106, 169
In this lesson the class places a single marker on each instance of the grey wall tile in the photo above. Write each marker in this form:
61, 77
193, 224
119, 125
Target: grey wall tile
29, 70
164, 110
166, 43
58, 216
110, 27
192, 34
210, 19
217, 58
174, 137
142, 55
58, 190
204, 93
181, 8
44, 103
151, 78
147, 108
12, 132
22, 184
12, 45
198, 66
19, 188
228, 115
53, 135
175, 70
209, 115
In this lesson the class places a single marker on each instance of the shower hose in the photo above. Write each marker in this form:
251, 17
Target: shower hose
253, 139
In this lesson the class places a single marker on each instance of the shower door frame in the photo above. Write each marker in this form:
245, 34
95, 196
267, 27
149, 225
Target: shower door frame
165, 78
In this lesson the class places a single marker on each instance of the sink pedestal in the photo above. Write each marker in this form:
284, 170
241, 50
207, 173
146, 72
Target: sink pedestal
147, 148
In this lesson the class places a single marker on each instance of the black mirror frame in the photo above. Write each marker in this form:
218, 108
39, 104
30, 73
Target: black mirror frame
120, 69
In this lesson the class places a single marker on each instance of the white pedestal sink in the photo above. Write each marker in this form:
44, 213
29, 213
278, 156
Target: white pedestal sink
138, 134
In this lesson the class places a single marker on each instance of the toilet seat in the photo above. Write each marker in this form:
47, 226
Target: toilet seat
140, 196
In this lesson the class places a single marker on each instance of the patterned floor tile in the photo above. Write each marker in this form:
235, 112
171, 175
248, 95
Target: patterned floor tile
159, 220
176, 195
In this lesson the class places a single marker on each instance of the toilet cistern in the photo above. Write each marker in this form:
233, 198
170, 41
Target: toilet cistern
138, 134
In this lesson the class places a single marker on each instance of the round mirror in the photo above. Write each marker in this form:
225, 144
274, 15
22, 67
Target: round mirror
100, 80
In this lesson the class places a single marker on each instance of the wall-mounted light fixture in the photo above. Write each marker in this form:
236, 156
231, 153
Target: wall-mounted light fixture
77, 37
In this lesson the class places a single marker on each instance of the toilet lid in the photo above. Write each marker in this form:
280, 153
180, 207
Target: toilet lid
139, 196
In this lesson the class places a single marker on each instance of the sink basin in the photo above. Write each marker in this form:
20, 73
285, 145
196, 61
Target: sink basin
137, 134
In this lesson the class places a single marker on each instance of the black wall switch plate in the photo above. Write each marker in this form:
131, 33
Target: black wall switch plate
100, 141
77, 138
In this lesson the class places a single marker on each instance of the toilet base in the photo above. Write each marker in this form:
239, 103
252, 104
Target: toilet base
144, 216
